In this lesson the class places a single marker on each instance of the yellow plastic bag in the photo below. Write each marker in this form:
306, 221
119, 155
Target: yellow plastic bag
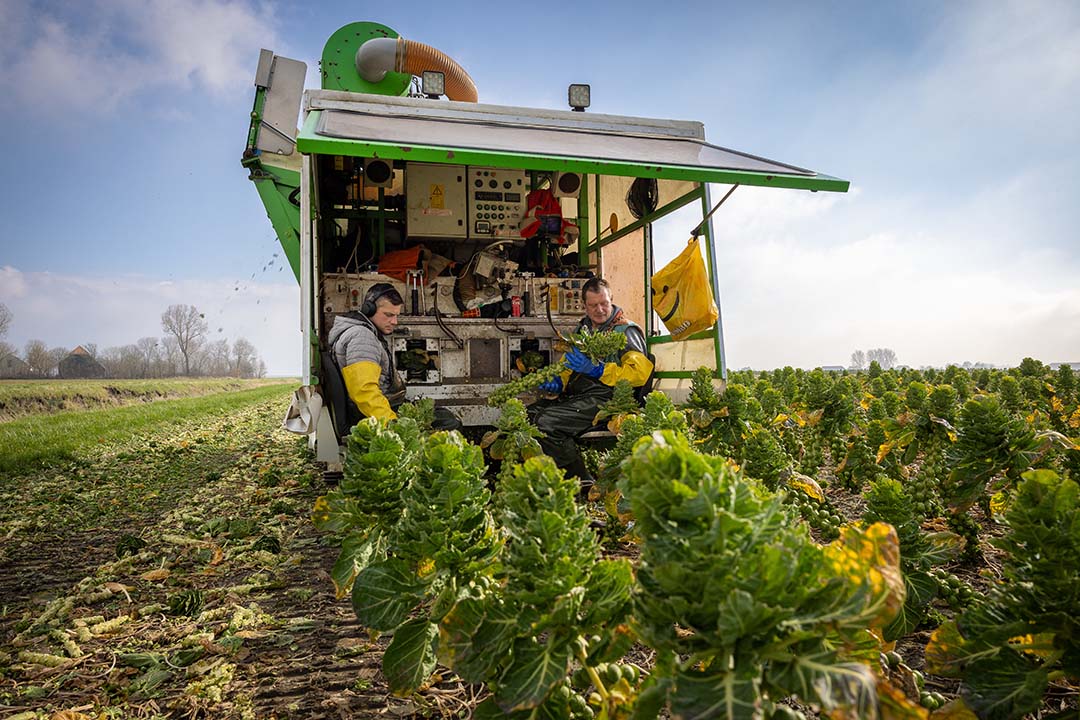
681, 295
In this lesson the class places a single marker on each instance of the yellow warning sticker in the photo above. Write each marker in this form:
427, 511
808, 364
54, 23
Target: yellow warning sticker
437, 195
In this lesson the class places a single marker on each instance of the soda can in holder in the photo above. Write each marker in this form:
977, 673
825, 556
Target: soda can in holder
515, 306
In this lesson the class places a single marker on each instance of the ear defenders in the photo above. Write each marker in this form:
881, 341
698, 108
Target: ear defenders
371, 299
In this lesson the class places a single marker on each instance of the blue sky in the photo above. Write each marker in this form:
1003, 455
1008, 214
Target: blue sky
956, 123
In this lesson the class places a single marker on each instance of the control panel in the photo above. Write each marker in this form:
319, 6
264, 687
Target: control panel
435, 198
563, 295
341, 292
496, 200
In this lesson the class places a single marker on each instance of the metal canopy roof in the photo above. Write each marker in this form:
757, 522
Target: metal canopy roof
471, 134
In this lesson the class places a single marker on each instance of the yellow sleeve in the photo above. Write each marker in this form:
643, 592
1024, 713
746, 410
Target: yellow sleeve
633, 367
362, 383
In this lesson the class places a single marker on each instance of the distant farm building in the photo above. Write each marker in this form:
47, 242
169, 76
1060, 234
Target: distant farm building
12, 366
80, 364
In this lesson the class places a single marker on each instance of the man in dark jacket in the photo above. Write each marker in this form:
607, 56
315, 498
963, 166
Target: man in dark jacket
586, 385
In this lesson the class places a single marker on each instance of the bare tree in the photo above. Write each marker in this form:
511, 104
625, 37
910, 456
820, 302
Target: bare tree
217, 362
171, 357
92, 349
6, 349
122, 362
886, 357
188, 326
5, 319
858, 360
37, 357
148, 352
244, 358
57, 354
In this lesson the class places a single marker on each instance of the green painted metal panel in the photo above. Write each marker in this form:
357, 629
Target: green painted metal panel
275, 187
338, 65
714, 282
664, 339
680, 374
312, 143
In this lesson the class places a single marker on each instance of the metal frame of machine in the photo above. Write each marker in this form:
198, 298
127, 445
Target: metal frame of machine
379, 171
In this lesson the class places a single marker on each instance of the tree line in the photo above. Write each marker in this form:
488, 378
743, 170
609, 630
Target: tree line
183, 349
884, 357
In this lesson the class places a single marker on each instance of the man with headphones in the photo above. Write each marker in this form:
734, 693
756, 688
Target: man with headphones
358, 342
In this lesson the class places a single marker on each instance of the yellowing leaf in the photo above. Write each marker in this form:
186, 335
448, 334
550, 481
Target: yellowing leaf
884, 450
1040, 645
871, 557
251, 634
426, 567
1057, 405
893, 704
809, 486
321, 512
217, 556
944, 653
999, 503
955, 709
155, 575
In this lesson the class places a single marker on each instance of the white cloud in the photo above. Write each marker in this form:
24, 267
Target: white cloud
67, 310
209, 41
805, 278
12, 282
789, 302
97, 57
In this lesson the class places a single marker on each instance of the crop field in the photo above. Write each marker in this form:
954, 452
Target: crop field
893, 544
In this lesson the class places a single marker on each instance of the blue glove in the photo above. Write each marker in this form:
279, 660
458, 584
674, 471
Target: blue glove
579, 362
553, 386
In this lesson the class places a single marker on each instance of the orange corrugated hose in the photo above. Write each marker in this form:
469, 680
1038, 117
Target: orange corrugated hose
415, 57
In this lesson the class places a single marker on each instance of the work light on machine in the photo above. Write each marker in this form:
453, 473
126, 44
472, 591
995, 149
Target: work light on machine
433, 84
579, 97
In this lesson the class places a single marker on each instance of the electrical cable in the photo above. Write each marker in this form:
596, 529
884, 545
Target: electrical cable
511, 331
545, 295
438, 319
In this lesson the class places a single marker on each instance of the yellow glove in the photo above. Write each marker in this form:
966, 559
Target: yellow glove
633, 366
362, 382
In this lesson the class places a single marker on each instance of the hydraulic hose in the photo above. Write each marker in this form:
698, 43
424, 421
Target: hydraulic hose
379, 56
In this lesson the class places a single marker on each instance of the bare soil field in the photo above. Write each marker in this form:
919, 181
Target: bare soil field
178, 575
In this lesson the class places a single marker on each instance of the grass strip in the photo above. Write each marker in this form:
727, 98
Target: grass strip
19, 398
35, 442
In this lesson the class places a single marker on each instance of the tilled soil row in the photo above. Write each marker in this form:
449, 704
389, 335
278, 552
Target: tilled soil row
221, 606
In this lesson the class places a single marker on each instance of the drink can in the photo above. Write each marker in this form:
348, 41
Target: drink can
515, 306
